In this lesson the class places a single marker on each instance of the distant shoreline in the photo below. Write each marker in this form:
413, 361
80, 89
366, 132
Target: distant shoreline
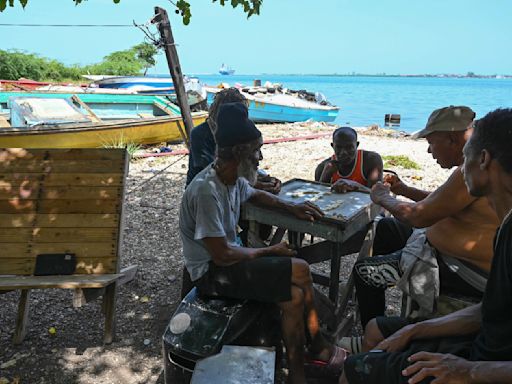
429, 76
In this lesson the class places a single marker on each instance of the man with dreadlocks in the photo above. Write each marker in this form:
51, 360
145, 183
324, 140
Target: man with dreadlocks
202, 142
202, 154
349, 168
219, 266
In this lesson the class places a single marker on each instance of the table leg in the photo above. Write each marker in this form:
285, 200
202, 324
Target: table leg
335, 272
278, 236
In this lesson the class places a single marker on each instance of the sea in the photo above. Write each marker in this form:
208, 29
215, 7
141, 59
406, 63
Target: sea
365, 100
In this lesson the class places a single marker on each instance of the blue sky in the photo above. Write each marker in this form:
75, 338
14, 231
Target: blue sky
289, 36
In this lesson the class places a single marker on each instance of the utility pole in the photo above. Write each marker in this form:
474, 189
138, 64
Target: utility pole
164, 27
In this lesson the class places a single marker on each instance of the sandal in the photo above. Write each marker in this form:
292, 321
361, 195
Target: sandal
331, 368
353, 344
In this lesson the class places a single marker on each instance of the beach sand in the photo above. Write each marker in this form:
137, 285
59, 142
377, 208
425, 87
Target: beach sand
75, 354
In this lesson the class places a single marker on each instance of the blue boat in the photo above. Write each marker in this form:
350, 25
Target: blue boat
138, 83
282, 108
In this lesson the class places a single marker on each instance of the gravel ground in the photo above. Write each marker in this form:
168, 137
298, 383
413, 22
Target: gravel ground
75, 354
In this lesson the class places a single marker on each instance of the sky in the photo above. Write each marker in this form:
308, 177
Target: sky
288, 37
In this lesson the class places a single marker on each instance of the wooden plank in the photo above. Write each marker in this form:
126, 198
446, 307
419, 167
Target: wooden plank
17, 266
14, 250
61, 166
17, 206
63, 154
73, 235
15, 235
28, 190
86, 295
80, 193
68, 281
78, 220
79, 249
62, 179
17, 220
85, 265
22, 317
109, 306
77, 100
60, 206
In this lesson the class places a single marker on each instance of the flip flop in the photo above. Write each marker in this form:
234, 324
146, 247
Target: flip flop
331, 368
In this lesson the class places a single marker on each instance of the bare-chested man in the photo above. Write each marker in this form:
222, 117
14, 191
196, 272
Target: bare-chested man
459, 227
471, 345
350, 168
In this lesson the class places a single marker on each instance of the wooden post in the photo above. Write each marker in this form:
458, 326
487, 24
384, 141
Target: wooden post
164, 27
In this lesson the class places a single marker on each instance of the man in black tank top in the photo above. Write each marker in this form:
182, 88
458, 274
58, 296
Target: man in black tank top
472, 345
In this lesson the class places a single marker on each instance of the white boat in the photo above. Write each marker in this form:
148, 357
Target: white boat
225, 70
283, 106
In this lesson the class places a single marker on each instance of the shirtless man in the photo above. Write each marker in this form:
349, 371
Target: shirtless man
459, 227
349, 169
472, 345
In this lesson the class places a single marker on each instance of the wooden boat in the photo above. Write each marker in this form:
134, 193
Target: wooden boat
281, 107
111, 120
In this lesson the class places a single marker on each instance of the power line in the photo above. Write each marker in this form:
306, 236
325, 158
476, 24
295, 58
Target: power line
69, 25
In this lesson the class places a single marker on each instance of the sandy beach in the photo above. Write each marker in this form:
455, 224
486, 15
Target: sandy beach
75, 354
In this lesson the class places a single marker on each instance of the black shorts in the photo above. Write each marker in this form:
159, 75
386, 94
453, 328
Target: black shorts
267, 279
385, 367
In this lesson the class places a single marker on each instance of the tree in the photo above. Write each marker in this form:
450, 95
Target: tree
250, 7
16, 64
128, 62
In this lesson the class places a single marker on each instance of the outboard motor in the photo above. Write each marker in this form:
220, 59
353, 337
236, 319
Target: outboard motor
201, 325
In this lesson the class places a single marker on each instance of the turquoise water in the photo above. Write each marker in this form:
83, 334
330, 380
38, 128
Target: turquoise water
365, 100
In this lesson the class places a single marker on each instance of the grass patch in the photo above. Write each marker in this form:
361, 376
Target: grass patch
120, 142
399, 161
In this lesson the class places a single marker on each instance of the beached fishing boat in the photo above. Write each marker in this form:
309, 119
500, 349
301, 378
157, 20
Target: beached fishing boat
57, 120
137, 83
276, 106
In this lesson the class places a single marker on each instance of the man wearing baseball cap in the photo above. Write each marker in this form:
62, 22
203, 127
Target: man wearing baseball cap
441, 241
219, 266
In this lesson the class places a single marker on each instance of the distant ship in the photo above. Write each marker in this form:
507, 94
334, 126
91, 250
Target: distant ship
225, 70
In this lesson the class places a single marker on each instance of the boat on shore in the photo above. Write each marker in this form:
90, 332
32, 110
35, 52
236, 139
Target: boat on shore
59, 120
273, 105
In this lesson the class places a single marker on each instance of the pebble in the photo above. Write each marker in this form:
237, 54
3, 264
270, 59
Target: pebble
147, 341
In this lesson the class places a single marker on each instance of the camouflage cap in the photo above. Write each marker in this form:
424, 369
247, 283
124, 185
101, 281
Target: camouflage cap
447, 119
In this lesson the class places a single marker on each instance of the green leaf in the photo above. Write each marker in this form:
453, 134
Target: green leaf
23, 3
3, 5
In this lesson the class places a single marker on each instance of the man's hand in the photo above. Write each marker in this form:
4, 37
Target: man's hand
446, 369
282, 249
344, 186
396, 185
306, 211
269, 184
379, 191
397, 341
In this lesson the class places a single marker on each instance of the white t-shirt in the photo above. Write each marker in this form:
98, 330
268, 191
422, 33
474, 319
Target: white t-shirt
209, 208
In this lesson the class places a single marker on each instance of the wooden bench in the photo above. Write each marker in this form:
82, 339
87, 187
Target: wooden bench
63, 201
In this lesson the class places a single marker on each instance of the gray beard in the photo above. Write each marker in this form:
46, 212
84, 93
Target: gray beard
246, 169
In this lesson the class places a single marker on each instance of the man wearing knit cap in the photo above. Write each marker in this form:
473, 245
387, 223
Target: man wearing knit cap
440, 242
219, 266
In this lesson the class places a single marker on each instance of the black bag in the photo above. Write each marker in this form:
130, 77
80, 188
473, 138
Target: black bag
55, 264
